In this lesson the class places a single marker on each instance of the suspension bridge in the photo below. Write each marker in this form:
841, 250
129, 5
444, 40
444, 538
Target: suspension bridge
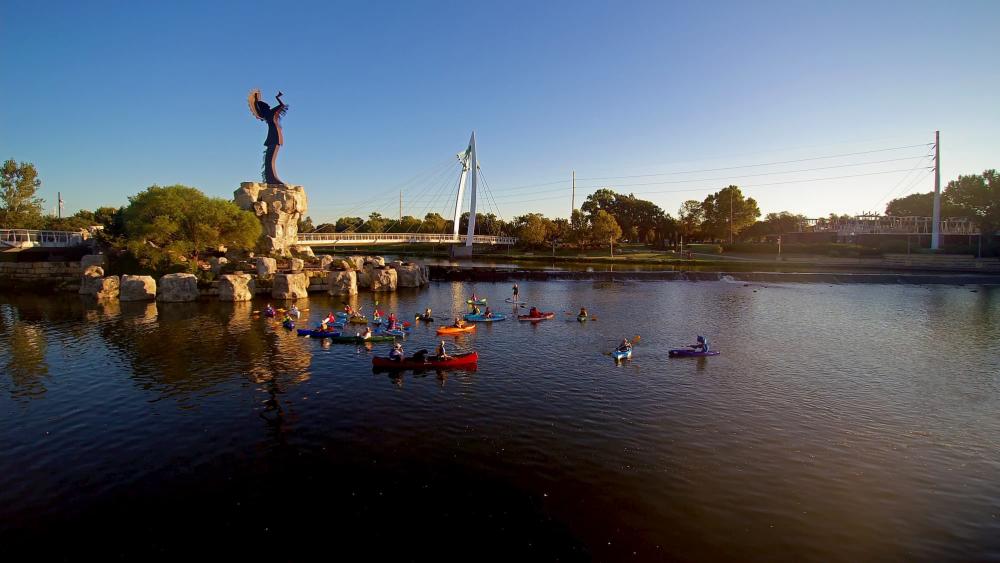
462, 244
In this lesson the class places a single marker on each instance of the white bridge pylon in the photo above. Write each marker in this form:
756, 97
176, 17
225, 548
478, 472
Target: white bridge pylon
467, 159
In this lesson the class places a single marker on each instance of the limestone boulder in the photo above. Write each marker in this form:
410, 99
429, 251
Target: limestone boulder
303, 250
266, 266
217, 262
364, 276
383, 279
357, 263
290, 286
409, 274
177, 288
297, 265
137, 288
325, 261
344, 282
95, 283
377, 261
236, 287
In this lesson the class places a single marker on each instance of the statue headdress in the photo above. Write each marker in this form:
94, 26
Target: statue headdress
252, 100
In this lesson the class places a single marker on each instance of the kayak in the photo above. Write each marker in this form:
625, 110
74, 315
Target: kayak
485, 319
456, 330
541, 317
317, 333
481, 301
269, 312
468, 359
391, 332
359, 320
620, 355
348, 338
688, 353
422, 318
288, 324
512, 300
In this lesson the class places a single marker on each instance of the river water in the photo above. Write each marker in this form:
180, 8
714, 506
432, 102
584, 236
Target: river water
840, 423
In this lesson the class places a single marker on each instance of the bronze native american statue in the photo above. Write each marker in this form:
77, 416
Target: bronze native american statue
272, 116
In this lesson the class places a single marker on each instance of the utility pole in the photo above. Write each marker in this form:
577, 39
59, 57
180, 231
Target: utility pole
572, 202
59, 194
936, 218
400, 206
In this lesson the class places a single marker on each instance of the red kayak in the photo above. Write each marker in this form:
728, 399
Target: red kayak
469, 359
540, 317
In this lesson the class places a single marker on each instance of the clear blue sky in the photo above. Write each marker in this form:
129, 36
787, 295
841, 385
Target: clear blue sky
108, 98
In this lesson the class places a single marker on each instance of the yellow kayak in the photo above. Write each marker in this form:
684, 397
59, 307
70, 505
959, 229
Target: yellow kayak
456, 330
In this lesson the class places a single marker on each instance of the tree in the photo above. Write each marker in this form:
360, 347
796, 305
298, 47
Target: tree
110, 218
180, 220
604, 228
579, 228
691, 215
728, 202
978, 195
922, 205
306, 225
434, 223
349, 224
532, 229
20, 207
376, 223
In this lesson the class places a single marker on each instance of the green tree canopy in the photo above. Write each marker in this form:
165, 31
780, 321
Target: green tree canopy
717, 206
349, 224
20, 207
922, 205
532, 229
306, 225
691, 215
376, 223
182, 220
604, 228
434, 223
642, 219
978, 195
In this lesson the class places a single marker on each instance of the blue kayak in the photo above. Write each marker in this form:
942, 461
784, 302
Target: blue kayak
622, 355
317, 333
288, 324
485, 319
689, 353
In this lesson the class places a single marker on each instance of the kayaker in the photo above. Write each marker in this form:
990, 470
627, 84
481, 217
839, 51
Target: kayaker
516, 291
476, 310
294, 312
287, 318
427, 313
440, 353
323, 325
474, 298
534, 312
625, 346
269, 310
459, 323
701, 346
396, 354
331, 318
367, 334
583, 313
489, 314
392, 320
347, 309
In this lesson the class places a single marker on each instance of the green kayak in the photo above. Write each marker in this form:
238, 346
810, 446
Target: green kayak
347, 339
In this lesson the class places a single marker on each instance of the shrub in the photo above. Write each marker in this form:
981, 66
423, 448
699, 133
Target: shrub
704, 248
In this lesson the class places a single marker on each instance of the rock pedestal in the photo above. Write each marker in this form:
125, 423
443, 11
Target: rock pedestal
279, 208
266, 266
409, 274
137, 288
177, 288
383, 279
236, 287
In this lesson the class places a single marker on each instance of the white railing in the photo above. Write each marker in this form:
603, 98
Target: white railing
888, 225
26, 238
320, 239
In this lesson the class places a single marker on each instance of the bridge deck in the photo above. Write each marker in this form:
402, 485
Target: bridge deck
363, 239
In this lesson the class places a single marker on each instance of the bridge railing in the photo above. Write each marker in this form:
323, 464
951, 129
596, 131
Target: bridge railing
31, 237
372, 238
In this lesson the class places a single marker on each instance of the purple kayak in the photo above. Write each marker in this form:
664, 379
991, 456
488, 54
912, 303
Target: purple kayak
688, 353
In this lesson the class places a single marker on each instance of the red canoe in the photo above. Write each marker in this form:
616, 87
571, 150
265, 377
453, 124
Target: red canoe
541, 317
468, 359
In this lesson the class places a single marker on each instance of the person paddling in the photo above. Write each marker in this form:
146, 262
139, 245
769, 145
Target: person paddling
440, 352
516, 292
459, 323
367, 334
294, 312
489, 313
427, 314
701, 346
583, 313
534, 312
625, 346
396, 354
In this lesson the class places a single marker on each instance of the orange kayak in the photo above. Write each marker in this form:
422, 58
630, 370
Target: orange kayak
456, 330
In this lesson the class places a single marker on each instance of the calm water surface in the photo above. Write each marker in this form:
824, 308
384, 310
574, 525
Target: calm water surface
846, 422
